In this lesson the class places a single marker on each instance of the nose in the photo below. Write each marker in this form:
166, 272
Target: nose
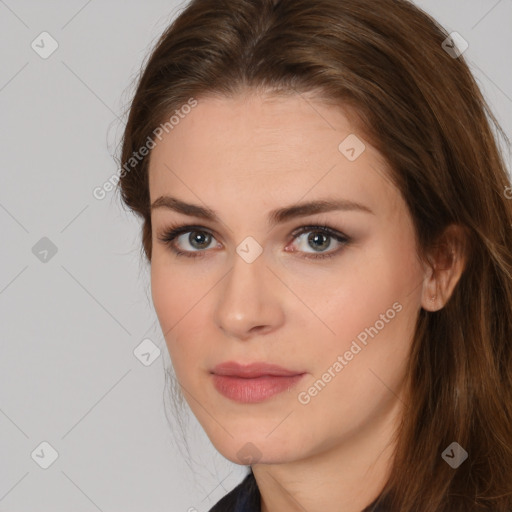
249, 300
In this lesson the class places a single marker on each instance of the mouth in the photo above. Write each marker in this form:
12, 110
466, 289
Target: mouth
253, 383
253, 370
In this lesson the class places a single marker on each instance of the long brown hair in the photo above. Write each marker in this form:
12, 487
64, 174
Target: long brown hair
421, 108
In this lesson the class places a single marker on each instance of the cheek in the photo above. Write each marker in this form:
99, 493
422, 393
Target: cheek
353, 295
164, 291
373, 300
174, 291
179, 304
171, 300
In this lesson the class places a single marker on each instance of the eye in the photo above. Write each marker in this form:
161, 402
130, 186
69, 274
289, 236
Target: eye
199, 239
320, 238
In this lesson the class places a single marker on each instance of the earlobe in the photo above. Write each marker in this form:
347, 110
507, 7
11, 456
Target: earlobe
447, 262
429, 298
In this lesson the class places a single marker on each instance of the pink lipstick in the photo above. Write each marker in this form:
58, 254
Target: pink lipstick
253, 383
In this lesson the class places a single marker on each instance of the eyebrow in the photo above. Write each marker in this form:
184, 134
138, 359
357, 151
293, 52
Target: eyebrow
277, 216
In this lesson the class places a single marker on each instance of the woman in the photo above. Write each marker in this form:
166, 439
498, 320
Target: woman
324, 212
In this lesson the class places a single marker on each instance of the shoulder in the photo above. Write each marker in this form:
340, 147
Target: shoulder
244, 497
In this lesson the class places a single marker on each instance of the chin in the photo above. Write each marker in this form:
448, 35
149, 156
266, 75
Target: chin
250, 449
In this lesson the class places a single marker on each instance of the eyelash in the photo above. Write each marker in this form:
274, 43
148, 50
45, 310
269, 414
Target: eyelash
176, 230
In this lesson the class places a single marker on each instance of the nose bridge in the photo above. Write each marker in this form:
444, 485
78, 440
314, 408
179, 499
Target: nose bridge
245, 282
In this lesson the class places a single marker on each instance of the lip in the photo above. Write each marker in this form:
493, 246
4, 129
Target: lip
253, 370
253, 383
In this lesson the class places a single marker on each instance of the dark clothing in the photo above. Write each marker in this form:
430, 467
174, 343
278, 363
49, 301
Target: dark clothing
245, 497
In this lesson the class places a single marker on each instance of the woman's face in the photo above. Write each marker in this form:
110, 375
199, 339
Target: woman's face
254, 291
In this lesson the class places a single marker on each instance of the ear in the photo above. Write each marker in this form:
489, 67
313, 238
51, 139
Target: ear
447, 260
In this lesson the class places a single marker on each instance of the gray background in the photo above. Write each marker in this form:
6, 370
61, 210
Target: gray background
69, 325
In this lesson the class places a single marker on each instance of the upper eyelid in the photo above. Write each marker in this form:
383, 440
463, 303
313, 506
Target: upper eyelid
184, 228
328, 223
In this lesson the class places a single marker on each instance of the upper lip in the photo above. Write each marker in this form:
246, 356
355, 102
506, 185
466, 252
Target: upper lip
252, 370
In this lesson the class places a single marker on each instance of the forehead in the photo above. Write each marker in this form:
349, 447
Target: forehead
256, 121
266, 146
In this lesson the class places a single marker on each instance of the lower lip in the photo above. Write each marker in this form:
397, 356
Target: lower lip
258, 389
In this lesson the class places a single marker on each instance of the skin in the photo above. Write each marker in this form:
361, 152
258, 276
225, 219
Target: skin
243, 157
